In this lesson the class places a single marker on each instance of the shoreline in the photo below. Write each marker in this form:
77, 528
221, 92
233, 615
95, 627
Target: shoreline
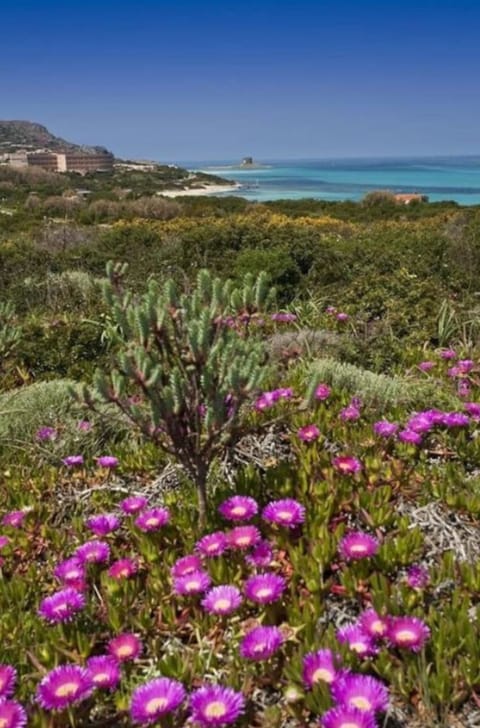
200, 191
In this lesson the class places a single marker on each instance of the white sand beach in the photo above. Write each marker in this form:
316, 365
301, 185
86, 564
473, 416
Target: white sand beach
200, 191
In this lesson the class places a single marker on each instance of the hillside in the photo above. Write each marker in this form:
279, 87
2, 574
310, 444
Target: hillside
27, 134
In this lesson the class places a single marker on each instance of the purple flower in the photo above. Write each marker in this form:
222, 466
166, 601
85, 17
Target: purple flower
331, 310
4, 541
213, 544
358, 545
410, 633
346, 717
286, 512
342, 316
92, 552
64, 686
222, 600
243, 537
152, 519
473, 409
125, 647
46, 433
123, 569
12, 714
456, 419
14, 519
261, 643
151, 701
357, 639
107, 461
239, 508
214, 705
71, 572
373, 624
383, 428
284, 392
417, 577
84, 426
322, 392
261, 555
265, 588
73, 461
103, 524
104, 672
465, 365
193, 583
282, 317
186, 565
319, 667
421, 422
133, 504
61, 606
410, 437
448, 354
8, 677
309, 433
347, 465
265, 401
350, 413
362, 692
426, 366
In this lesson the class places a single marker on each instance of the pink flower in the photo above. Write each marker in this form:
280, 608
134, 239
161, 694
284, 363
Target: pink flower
309, 433
107, 461
319, 667
286, 512
358, 640
426, 366
358, 545
222, 600
409, 633
243, 537
213, 544
239, 508
347, 465
152, 519
322, 392
125, 647
123, 569
373, 624
14, 519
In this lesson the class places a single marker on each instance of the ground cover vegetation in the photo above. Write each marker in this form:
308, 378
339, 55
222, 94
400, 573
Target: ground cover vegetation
227, 505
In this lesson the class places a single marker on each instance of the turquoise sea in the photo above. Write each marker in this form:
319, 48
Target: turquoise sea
446, 178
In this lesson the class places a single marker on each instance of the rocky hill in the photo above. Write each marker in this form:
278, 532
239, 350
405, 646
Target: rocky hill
29, 135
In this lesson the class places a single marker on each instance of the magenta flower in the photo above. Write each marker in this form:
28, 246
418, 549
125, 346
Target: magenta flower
4, 541
456, 419
213, 544
373, 624
331, 310
107, 461
93, 552
152, 519
261, 643
64, 686
309, 433
186, 565
222, 600
154, 699
12, 714
104, 672
426, 366
465, 365
243, 537
463, 388
347, 465
46, 433
322, 392
284, 392
239, 508
358, 545
347, 717
8, 678
84, 426
123, 569
14, 519
417, 577
125, 647
194, 583
285, 512
133, 504
362, 692
283, 317
351, 413
103, 524
410, 437
409, 633
473, 409
448, 354
61, 606
261, 555
214, 705
342, 316
73, 461
265, 588
71, 572
422, 422
265, 401
383, 428
319, 667
358, 640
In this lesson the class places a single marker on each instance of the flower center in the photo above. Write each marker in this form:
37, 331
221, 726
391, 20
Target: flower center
264, 592
222, 604
60, 608
358, 548
212, 547
239, 511
243, 541
259, 647
67, 690
72, 574
378, 627
349, 725
124, 651
405, 635
155, 704
100, 677
284, 515
215, 709
362, 703
358, 647
125, 571
192, 585
321, 673
152, 521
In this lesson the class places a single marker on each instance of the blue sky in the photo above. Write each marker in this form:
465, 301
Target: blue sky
215, 80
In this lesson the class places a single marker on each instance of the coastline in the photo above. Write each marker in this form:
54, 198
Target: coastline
200, 191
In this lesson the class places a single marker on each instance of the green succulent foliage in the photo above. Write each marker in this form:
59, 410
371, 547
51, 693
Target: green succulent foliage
184, 362
10, 333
